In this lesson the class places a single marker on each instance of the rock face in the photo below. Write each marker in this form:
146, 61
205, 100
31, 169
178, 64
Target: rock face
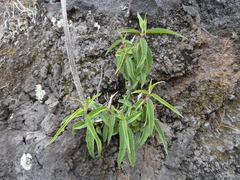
202, 80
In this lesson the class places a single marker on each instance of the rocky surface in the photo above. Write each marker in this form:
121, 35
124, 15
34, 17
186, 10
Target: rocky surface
202, 80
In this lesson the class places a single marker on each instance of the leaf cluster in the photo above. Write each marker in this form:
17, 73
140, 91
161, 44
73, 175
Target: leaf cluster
133, 119
134, 58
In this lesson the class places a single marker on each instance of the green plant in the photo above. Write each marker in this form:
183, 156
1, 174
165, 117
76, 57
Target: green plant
133, 118
134, 59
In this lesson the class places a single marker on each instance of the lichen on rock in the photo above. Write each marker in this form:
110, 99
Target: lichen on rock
40, 93
26, 161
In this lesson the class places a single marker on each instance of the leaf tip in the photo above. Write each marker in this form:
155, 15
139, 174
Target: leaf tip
47, 144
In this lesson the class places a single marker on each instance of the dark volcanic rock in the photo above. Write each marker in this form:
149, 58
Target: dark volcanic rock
202, 80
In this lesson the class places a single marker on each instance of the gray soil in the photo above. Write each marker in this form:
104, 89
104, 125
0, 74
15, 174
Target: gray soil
202, 75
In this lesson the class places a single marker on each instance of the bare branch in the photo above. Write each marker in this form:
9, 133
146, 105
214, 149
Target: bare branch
209, 33
69, 48
111, 98
100, 82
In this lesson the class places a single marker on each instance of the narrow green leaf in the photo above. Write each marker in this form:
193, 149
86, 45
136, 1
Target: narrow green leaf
137, 53
95, 105
90, 143
115, 131
135, 123
143, 77
139, 104
121, 60
94, 133
144, 49
136, 128
165, 103
78, 125
132, 154
128, 43
130, 31
145, 24
144, 116
149, 86
137, 138
152, 86
99, 130
82, 103
134, 86
130, 68
76, 116
140, 20
123, 123
93, 98
87, 104
124, 71
97, 111
125, 102
113, 46
65, 119
145, 135
150, 115
162, 136
153, 133
149, 61
144, 46
122, 146
72, 116
140, 91
104, 117
139, 69
129, 111
119, 52
121, 116
79, 114
105, 133
133, 117
129, 50
112, 119
164, 31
